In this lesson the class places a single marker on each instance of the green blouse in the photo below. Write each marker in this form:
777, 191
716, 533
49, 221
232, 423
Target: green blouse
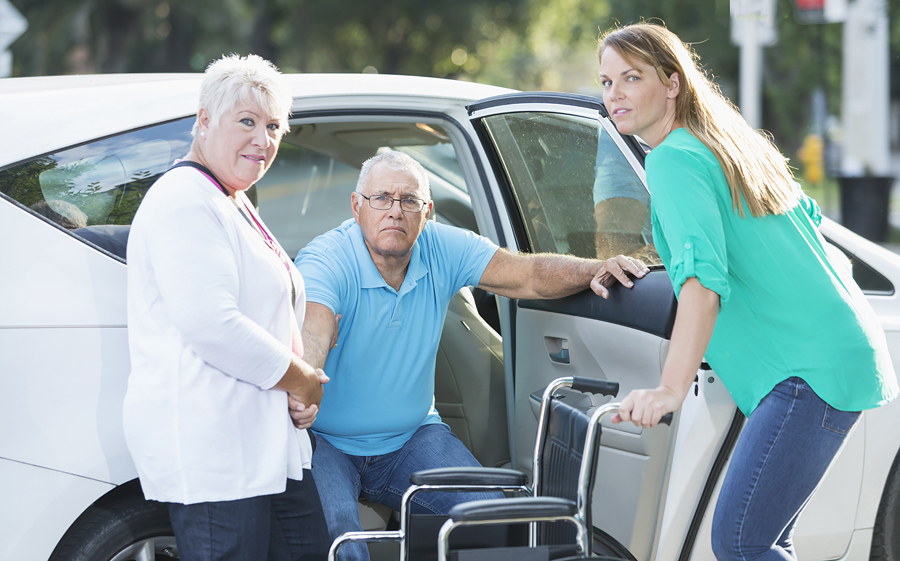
785, 308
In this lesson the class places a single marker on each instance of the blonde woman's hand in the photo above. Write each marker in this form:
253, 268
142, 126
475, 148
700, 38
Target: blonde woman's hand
303, 415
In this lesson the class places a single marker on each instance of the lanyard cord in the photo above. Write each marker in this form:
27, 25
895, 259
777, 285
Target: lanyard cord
267, 238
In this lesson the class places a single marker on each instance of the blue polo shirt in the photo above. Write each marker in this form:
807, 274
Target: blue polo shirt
382, 370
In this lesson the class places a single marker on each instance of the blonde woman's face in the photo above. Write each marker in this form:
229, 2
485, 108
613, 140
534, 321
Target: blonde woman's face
637, 100
240, 148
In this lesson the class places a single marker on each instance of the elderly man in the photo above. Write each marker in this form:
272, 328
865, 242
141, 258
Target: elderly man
390, 274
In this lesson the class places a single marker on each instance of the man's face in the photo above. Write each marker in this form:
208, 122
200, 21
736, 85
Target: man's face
390, 233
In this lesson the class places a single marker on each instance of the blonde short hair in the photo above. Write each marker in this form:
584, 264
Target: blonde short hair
233, 78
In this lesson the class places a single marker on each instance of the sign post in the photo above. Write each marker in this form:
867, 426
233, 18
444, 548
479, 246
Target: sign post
866, 180
12, 25
752, 28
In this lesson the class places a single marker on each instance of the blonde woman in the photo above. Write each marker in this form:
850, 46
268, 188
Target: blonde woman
214, 314
789, 332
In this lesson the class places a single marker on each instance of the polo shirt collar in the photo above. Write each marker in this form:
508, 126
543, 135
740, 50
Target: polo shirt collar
369, 277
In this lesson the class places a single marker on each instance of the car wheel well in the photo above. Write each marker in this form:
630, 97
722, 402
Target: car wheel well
121, 522
886, 533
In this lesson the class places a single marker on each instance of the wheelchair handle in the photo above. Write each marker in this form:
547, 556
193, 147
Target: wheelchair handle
593, 385
613, 408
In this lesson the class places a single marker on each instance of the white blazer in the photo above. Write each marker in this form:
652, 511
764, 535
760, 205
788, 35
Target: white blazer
210, 326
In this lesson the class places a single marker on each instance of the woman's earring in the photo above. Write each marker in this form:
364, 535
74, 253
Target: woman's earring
202, 133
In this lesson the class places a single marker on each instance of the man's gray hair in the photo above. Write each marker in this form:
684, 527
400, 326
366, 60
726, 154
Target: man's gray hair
397, 161
233, 78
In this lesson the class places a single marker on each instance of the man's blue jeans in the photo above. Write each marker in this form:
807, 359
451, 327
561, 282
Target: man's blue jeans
343, 479
288, 526
786, 448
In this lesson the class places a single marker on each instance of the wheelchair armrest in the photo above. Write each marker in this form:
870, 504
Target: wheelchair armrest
513, 509
469, 476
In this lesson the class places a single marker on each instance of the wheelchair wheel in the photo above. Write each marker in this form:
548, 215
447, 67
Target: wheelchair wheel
608, 547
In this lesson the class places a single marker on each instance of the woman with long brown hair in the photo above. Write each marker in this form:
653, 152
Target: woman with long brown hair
786, 329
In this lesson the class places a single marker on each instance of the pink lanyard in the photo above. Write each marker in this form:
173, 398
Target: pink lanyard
267, 238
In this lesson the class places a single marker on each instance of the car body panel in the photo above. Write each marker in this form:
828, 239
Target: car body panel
63, 340
47, 282
30, 528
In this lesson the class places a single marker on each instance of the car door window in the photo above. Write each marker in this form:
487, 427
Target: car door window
576, 191
94, 190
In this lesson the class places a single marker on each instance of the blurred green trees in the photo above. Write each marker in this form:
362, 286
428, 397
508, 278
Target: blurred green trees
523, 44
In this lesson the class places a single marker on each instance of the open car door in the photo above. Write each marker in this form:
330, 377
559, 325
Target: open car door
571, 184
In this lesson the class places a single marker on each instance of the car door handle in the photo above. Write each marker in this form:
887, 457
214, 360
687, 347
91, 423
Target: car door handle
557, 349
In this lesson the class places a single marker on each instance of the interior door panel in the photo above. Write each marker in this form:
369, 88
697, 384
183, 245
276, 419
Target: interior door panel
632, 463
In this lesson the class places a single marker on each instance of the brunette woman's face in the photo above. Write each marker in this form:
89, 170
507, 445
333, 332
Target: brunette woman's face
637, 100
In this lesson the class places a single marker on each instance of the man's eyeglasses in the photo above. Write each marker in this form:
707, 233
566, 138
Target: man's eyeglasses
385, 202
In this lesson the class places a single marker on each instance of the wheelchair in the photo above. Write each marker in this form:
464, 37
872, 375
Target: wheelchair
548, 519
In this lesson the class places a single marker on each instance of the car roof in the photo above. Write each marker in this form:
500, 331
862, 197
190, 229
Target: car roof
45, 114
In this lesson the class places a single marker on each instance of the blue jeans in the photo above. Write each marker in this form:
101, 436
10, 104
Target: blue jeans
343, 479
288, 526
786, 448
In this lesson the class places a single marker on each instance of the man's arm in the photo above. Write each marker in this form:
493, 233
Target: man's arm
319, 334
548, 275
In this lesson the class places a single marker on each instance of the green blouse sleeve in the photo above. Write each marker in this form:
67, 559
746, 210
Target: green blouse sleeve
687, 215
809, 206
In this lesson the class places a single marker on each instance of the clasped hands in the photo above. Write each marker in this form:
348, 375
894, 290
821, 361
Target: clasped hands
303, 409
303, 415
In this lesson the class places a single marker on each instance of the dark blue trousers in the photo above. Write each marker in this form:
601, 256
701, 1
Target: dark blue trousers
288, 526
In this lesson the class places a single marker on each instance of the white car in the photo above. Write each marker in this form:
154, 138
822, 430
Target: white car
536, 172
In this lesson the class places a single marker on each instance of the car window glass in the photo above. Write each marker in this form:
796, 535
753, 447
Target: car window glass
575, 190
94, 189
868, 279
307, 190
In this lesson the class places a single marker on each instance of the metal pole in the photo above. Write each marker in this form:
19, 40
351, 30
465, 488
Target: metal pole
751, 84
865, 111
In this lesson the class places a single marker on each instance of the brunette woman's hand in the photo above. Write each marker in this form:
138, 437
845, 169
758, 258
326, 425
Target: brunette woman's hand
644, 408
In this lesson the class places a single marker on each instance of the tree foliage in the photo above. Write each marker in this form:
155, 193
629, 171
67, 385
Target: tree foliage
523, 44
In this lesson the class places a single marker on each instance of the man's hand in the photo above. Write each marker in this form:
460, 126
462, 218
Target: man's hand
617, 268
302, 415
550, 275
